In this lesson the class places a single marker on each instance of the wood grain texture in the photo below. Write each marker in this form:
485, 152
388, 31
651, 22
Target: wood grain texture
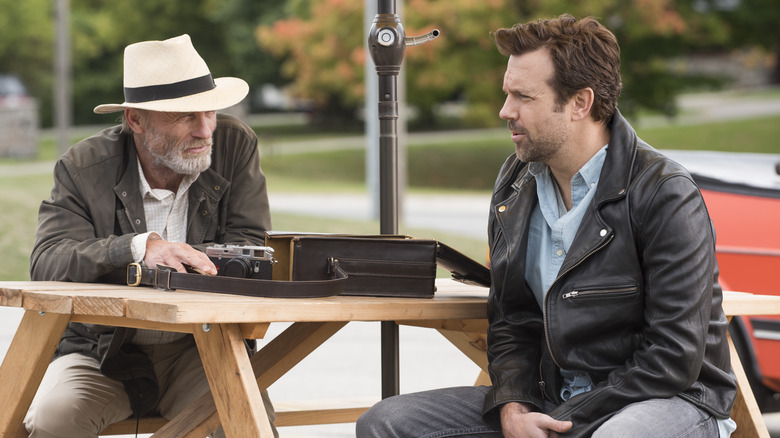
232, 382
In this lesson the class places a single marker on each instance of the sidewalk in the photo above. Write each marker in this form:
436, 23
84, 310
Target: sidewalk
463, 214
695, 109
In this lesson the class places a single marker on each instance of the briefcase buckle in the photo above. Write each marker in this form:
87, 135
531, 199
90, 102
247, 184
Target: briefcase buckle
134, 274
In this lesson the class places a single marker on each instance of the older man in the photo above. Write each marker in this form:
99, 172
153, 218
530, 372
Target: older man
174, 177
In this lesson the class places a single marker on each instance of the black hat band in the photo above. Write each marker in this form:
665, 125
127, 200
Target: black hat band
169, 91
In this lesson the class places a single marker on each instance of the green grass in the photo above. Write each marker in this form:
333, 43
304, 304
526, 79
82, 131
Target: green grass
761, 135
472, 165
20, 197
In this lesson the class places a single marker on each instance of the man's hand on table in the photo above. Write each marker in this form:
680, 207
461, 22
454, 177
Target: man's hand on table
176, 255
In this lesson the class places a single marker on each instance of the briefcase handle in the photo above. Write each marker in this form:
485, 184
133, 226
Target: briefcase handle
166, 278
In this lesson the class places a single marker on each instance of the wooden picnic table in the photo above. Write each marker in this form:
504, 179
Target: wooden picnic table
220, 323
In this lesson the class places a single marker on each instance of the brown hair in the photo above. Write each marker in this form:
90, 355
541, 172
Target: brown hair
584, 53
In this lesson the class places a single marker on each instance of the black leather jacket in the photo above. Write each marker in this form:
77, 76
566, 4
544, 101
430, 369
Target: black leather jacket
636, 304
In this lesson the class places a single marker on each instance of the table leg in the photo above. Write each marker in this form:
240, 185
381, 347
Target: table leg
747, 415
232, 382
25, 364
473, 345
269, 364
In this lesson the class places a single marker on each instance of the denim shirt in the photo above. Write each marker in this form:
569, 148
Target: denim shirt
552, 231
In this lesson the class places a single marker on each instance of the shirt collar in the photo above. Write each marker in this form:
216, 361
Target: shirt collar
159, 194
581, 183
589, 172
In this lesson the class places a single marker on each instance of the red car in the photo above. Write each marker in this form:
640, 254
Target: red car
742, 193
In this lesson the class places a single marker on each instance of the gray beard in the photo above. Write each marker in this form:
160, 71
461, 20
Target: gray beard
167, 152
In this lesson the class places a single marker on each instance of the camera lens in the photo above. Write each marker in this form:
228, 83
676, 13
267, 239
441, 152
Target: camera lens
237, 268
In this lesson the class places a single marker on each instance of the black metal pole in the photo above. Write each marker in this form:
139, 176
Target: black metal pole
386, 42
388, 220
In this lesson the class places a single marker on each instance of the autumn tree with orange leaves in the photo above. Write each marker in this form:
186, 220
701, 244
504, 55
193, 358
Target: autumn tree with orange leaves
324, 55
323, 51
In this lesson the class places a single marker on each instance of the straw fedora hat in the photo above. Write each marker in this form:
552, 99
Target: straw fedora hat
170, 76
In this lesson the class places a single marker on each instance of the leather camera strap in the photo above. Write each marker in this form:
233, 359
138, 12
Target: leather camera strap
167, 278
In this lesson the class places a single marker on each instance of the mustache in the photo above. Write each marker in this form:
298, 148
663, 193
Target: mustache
515, 127
196, 143
202, 142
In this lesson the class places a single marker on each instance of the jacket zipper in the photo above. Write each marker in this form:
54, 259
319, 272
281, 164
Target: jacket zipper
544, 313
543, 384
597, 292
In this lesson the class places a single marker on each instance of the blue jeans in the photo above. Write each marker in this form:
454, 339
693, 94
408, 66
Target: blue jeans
457, 412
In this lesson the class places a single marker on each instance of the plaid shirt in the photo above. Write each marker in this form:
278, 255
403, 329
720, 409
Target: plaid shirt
166, 215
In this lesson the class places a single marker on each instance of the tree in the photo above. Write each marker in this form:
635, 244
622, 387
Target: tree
26, 47
317, 45
323, 53
650, 34
322, 49
101, 30
753, 22
251, 62
463, 64
221, 30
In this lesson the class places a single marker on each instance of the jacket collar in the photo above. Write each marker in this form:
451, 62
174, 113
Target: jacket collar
618, 166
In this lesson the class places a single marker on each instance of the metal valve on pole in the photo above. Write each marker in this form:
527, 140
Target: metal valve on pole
387, 43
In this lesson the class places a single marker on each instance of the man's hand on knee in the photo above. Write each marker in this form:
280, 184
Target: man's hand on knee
518, 421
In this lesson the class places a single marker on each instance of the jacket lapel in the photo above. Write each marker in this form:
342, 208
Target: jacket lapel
513, 215
204, 197
614, 180
130, 216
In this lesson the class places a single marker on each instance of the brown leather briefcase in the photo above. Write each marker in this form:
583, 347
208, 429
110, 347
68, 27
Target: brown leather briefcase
375, 265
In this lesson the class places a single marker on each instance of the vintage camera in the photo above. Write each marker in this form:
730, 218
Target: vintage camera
242, 261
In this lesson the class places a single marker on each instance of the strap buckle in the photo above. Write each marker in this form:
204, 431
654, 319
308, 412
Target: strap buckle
163, 274
134, 274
